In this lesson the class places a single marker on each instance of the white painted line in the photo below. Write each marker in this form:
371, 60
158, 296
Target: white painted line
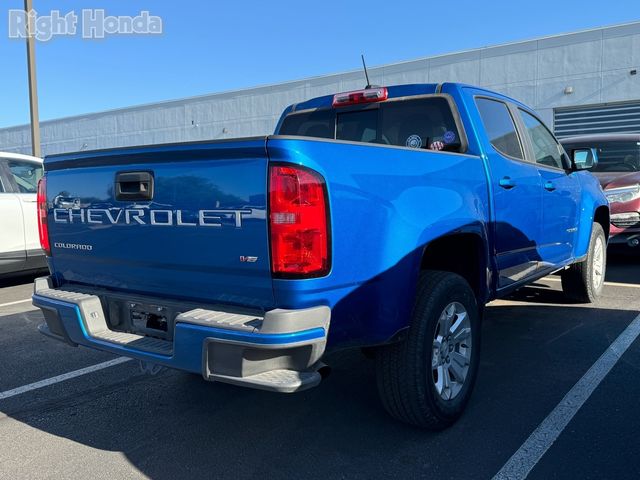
532, 450
610, 284
14, 303
62, 378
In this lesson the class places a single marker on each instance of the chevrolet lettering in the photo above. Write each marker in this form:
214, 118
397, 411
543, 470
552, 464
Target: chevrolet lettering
384, 218
114, 216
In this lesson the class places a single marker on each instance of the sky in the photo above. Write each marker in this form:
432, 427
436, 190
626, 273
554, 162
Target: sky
210, 46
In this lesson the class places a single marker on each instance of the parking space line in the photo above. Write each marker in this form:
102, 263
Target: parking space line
608, 284
15, 303
62, 378
532, 450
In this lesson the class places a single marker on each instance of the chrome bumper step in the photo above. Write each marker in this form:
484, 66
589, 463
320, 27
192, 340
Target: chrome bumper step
139, 342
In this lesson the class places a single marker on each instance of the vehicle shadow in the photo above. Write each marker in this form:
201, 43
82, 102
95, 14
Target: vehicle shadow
176, 425
13, 280
621, 268
623, 265
538, 292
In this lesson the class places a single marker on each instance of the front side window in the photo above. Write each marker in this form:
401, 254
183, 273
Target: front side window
422, 123
26, 175
546, 150
500, 128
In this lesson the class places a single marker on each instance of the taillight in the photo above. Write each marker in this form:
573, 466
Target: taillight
43, 229
368, 95
298, 219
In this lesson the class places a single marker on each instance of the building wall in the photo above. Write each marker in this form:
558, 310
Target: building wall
596, 63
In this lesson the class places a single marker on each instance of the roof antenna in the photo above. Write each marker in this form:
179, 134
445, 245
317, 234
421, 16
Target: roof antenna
366, 74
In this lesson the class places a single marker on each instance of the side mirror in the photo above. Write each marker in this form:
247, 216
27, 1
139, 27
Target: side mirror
584, 158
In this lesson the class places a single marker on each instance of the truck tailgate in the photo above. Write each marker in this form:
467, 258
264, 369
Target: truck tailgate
185, 221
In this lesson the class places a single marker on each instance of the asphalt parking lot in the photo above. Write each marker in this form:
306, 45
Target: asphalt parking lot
116, 422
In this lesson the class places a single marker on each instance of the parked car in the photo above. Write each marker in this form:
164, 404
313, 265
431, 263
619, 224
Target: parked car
383, 218
618, 169
20, 249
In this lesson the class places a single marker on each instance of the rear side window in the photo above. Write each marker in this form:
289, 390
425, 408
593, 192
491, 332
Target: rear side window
500, 128
407, 123
26, 175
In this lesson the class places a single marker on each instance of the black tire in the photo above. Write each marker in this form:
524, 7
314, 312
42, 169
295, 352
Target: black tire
578, 282
406, 382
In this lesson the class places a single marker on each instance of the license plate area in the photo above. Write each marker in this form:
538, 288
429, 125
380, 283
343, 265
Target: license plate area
151, 320
144, 319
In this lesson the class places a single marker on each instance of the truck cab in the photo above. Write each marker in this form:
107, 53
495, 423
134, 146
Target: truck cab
536, 189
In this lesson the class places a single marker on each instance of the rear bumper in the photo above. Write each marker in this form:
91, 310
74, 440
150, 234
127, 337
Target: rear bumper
279, 350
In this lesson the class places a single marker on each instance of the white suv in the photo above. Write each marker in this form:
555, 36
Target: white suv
19, 244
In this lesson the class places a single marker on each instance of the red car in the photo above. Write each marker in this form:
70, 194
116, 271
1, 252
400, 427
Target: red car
618, 169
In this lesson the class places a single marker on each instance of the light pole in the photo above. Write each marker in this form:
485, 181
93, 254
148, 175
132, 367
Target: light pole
33, 84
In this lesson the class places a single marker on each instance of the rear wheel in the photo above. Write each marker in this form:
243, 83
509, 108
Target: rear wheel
584, 281
426, 380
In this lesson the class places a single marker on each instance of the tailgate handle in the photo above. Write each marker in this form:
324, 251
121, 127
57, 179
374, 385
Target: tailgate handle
134, 186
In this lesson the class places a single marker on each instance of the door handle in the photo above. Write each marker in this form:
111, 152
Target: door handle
549, 186
132, 186
507, 183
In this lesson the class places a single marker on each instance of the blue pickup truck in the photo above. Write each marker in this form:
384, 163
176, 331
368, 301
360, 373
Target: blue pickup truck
382, 219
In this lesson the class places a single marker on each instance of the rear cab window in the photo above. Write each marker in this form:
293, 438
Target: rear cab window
311, 123
414, 123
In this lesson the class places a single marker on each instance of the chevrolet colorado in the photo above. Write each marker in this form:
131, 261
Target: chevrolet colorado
383, 218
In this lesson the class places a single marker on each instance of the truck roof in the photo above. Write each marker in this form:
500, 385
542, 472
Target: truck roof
396, 91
